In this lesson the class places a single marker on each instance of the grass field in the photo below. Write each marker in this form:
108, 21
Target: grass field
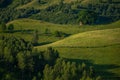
99, 48
105, 59
96, 45
29, 25
98, 38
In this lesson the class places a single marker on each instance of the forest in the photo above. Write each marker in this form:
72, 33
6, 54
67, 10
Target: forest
73, 13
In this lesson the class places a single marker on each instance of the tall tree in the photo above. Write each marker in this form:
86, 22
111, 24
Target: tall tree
87, 17
50, 55
21, 61
3, 27
35, 37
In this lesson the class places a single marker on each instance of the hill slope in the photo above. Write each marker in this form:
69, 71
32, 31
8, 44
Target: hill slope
41, 26
98, 38
99, 48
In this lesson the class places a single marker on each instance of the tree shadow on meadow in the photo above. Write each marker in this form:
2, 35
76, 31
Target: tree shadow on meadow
42, 43
29, 31
100, 69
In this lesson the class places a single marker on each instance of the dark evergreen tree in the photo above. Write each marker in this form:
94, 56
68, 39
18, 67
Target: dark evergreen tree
47, 31
10, 27
91, 72
35, 37
50, 55
3, 27
87, 17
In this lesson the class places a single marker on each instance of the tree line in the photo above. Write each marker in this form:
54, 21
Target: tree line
74, 13
63, 13
11, 13
5, 3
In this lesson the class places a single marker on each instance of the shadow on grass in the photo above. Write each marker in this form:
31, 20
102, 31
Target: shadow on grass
43, 43
102, 46
100, 69
23, 31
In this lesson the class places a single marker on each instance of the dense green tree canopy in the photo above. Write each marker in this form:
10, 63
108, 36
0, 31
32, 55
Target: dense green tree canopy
87, 17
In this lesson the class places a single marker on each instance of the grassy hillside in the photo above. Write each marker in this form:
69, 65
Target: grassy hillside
29, 25
97, 45
99, 48
71, 29
98, 38
104, 59
85, 45
86, 2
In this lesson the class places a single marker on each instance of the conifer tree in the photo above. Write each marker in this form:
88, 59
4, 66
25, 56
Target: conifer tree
35, 37
3, 27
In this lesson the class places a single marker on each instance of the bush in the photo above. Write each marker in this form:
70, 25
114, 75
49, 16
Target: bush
3, 27
10, 27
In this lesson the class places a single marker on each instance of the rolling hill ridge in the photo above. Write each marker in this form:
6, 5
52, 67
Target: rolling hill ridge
97, 38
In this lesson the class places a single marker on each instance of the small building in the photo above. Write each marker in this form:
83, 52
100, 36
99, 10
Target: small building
81, 23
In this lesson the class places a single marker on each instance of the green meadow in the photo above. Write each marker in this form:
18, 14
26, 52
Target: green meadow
93, 48
29, 25
96, 45
99, 48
